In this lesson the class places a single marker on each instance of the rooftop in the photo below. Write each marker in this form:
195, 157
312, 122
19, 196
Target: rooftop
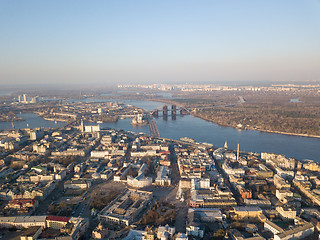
57, 218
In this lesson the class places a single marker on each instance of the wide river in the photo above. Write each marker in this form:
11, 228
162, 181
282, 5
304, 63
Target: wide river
202, 131
32, 120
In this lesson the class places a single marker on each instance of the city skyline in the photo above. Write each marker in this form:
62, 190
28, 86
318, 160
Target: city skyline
109, 43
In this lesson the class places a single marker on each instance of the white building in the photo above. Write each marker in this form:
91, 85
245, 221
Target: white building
162, 178
139, 182
233, 171
195, 229
282, 194
278, 160
91, 129
203, 183
286, 174
36, 134
165, 232
99, 154
287, 213
280, 183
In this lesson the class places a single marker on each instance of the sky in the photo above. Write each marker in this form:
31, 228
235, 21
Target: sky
105, 42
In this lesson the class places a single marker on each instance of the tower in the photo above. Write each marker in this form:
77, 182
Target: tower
226, 145
81, 126
238, 153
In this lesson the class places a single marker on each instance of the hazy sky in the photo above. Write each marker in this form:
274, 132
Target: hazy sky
119, 41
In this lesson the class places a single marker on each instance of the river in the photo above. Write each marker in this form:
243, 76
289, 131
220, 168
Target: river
33, 120
202, 131
5, 93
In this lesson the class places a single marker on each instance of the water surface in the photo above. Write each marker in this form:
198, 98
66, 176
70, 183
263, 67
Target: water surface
204, 131
33, 120
200, 130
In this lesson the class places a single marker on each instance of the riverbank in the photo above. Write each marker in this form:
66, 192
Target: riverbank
30, 120
12, 120
260, 130
9, 117
55, 119
169, 101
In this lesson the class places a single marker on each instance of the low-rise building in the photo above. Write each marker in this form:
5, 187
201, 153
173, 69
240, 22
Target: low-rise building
77, 184
56, 222
278, 160
162, 177
165, 232
70, 228
286, 212
258, 202
195, 229
207, 214
298, 232
29, 221
181, 236
246, 212
283, 194
272, 227
139, 182
280, 183
125, 208
31, 233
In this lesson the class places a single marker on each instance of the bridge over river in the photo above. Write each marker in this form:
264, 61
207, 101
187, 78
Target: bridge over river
173, 111
154, 132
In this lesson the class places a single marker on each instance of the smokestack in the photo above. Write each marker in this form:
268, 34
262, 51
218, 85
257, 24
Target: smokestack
238, 152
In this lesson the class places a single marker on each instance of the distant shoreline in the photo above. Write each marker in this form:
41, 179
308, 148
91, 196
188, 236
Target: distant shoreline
261, 130
13, 120
54, 119
169, 101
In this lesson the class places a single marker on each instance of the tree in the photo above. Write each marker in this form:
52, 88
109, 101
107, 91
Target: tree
219, 234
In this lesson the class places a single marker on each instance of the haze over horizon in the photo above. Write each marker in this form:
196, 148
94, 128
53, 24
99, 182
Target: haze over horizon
120, 42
